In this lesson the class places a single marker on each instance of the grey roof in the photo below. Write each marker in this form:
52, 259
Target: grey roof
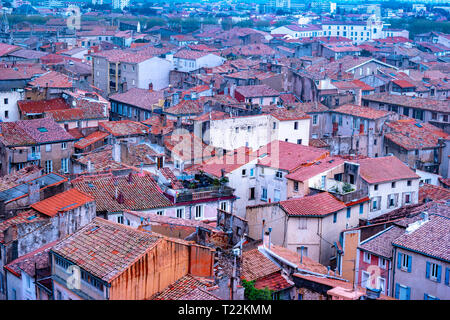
432, 238
22, 189
381, 243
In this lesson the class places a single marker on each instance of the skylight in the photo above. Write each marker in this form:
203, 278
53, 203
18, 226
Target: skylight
42, 129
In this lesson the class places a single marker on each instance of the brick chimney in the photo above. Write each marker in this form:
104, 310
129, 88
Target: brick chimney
150, 87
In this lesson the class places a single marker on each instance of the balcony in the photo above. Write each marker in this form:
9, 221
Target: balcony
345, 192
204, 193
33, 156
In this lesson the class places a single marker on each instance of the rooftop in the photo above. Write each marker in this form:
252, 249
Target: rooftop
62, 202
384, 169
105, 249
320, 204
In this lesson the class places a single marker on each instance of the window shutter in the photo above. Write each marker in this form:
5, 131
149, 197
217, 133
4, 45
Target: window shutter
408, 293
439, 268
447, 276
399, 260
397, 290
427, 275
409, 263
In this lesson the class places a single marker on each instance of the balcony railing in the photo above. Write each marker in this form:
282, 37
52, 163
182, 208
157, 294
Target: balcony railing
345, 192
33, 156
204, 193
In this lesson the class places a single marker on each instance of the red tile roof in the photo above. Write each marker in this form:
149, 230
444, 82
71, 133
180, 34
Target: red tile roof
309, 171
274, 282
28, 106
186, 107
255, 265
183, 288
90, 139
52, 79
284, 114
190, 54
381, 243
29, 216
431, 238
411, 135
320, 204
429, 191
362, 112
261, 90
31, 132
141, 98
124, 128
5, 49
288, 156
384, 169
407, 101
134, 192
62, 202
106, 249
28, 263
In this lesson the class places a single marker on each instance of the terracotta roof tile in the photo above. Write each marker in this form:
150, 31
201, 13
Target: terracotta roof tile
429, 191
274, 282
41, 106
124, 128
384, 169
62, 202
362, 112
141, 98
134, 192
306, 172
185, 287
105, 249
381, 243
431, 238
255, 265
320, 204
260, 90
411, 135
90, 139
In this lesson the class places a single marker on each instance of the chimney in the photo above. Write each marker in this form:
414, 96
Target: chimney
150, 87
116, 152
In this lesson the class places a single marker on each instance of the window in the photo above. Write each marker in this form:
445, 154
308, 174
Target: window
392, 200
429, 297
237, 130
279, 174
180, 213
382, 285
365, 279
274, 125
334, 217
302, 223
349, 212
295, 125
120, 219
264, 194
252, 172
160, 212
65, 165
5, 101
296, 186
382, 263
6, 114
407, 198
314, 119
224, 206
361, 208
366, 257
393, 185
276, 195
299, 141
48, 166
198, 212
302, 251
252, 194
433, 271
404, 262
244, 172
375, 187
374, 205
409, 183
48, 148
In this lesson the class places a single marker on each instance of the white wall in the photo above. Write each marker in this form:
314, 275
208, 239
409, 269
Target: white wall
156, 71
11, 107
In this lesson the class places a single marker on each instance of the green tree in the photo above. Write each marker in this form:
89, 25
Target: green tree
251, 293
